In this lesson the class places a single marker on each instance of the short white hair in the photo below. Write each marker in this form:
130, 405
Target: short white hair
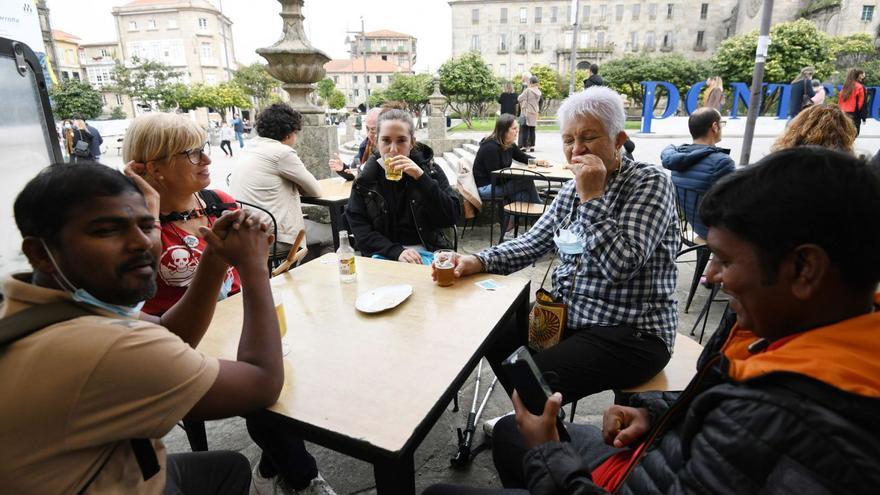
601, 102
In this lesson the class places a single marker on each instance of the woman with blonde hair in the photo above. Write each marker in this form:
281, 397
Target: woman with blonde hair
801, 92
713, 95
819, 125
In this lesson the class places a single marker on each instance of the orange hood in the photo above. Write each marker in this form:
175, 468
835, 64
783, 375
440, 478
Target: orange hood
845, 355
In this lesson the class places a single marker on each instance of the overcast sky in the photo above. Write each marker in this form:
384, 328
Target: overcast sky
256, 24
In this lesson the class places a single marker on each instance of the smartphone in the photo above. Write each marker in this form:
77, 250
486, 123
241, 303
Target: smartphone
530, 386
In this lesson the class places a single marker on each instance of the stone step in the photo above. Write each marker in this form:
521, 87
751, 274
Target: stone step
449, 171
473, 148
451, 160
467, 155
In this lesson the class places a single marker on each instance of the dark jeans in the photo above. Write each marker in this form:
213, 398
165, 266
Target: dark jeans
208, 473
528, 134
508, 451
284, 453
510, 191
857, 121
589, 360
226, 146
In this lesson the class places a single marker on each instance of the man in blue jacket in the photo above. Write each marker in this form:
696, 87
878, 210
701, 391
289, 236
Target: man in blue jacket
695, 167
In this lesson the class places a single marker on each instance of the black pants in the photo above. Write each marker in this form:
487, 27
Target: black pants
284, 453
208, 473
588, 361
857, 121
226, 146
528, 134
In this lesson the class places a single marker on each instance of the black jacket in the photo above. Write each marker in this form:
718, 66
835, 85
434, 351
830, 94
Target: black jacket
594, 80
384, 216
491, 157
798, 90
508, 103
737, 429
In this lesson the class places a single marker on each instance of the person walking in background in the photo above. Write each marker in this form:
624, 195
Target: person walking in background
226, 136
67, 138
853, 98
819, 125
507, 100
238, 126
713, 95
819, 90
801, 92
595, 79
529, 103
82, 142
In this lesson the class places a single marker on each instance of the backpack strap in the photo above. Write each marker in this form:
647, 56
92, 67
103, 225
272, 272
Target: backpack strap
41, 316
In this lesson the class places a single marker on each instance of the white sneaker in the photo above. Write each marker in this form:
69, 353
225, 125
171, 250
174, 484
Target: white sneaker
489, 425
318, 486
269, 486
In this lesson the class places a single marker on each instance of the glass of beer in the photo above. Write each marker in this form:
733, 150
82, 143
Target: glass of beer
279, 311
390, 173
444, 264
533, 163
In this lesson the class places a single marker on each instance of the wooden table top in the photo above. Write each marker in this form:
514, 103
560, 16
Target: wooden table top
333, 189
678, 372
370, 377
553, 172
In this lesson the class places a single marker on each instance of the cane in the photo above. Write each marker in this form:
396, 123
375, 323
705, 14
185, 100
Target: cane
464, 455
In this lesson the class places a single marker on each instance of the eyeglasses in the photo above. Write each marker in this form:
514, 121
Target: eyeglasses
194, 155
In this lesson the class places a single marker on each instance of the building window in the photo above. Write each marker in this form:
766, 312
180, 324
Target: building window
151, 24
554, 14
475, 43
667, 40
403, 60
637, 11
76, 76
649, 40
119, 99
502, 42
603, 12
538, 14
600, 39
357, 93
503, 69
585, 14
207, 51
584, 40
652, 11
704, 11
536, 45
367, 77
867, 13
523, 15
520, 68
618, 12
172, 24
700, 36
378, 79
521, 43
335, 79
132, 26
475, 16
634, 40
354, 79
670, 10
210, 79
105, 52
503, 17
203, 24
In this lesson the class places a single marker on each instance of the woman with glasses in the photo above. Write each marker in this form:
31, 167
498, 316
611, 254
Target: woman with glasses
169, 151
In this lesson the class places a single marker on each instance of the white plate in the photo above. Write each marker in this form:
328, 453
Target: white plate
383, 298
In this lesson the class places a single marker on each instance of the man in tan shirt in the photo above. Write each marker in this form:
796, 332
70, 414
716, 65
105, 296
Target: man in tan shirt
78, 392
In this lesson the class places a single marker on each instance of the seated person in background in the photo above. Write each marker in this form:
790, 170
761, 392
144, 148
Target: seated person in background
365, 150
614, 227
697, 166
819, 125
497, 151
96, 392
786, 401
168, 151
396, 219
269, 173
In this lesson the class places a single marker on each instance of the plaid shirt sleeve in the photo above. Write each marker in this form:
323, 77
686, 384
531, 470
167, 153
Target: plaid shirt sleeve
621, 242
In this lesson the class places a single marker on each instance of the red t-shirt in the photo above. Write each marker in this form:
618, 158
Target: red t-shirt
177, 267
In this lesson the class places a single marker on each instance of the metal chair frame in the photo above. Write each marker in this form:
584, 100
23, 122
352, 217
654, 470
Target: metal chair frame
535, 177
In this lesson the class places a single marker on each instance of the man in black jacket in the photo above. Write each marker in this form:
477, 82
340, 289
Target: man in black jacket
787, 400
595, 79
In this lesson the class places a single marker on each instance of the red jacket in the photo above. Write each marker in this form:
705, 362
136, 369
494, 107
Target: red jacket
856, 101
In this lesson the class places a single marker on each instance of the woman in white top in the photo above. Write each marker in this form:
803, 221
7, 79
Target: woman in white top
269, 173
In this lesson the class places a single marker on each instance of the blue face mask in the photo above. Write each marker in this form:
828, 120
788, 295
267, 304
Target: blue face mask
567, 242
85, 297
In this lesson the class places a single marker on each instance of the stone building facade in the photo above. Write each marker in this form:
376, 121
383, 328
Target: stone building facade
348, 75
97, 61
67, 62
390, 46
513, 35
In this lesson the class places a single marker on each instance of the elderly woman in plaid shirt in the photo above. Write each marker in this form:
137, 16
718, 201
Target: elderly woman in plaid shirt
617, 271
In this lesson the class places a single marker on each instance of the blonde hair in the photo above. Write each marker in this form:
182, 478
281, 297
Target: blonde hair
159, 136
819, 125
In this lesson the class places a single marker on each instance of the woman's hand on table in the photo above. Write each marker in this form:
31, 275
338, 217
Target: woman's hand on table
410, 256
335, 164
464, 266
405, 165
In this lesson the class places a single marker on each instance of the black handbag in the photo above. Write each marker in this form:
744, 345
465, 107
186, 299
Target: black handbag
81, 148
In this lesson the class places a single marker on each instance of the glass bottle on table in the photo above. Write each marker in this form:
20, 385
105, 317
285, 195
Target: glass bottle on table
345, 253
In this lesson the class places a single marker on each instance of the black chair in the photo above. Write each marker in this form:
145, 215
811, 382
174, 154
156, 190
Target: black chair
687, 203
276, 257
526, 211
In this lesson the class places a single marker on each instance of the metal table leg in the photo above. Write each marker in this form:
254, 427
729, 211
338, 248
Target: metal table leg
395, 477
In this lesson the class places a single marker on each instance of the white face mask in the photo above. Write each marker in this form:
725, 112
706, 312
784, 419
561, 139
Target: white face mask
85, 297
567, 242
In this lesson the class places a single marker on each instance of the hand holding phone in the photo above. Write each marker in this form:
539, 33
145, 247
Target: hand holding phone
532, 392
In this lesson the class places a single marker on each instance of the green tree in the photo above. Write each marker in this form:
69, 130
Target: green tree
872, 72
325, 90
257, 84
626, 74
469, 85
117, 113
75, 98
219, 97
337, 99
794, 45
377, 98
151, 83
852, 50
562, 83
548, 83
413, 90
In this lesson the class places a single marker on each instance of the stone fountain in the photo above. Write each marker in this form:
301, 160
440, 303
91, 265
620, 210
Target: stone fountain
299, 65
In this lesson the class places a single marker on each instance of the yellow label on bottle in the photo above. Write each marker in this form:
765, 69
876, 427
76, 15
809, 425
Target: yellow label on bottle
346, 266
